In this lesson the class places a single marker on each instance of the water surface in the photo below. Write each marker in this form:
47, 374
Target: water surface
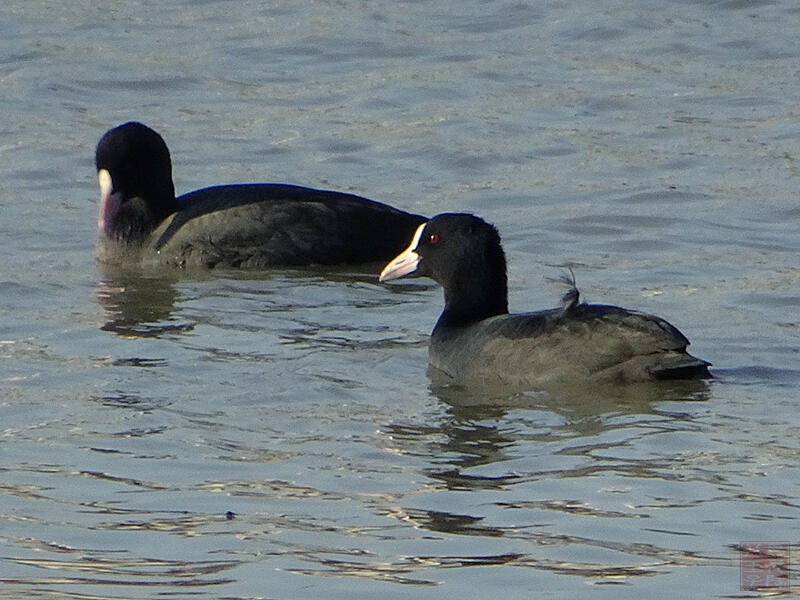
275, 435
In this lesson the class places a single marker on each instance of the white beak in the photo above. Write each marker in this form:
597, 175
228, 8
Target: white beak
107, 203
406, 262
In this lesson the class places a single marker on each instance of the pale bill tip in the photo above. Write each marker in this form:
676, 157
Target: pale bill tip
403, 264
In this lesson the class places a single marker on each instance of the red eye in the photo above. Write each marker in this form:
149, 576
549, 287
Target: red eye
434, 238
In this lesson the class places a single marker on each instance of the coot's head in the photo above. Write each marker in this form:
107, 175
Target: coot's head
464, 255
135, 175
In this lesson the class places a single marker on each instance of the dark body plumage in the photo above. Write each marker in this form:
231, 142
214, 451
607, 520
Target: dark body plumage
240, 226
475, 339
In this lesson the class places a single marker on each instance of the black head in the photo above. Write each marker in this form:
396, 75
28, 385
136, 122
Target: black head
464, 255
133, 162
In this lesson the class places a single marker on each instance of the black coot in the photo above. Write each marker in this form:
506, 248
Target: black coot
475, 339
250, 225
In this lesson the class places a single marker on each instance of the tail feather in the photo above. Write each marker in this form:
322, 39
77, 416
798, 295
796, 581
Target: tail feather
682, 366
572, 297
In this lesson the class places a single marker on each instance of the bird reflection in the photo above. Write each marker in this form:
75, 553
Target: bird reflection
137, 306
445, 522
141, 303
477, 429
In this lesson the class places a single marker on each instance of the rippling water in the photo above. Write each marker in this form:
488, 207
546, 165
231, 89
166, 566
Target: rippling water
274, 435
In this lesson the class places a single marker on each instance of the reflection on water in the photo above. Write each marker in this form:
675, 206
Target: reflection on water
477, 430
139, 303
549, 477
521, 443
89, 570
587, 483
138, 306
579, 396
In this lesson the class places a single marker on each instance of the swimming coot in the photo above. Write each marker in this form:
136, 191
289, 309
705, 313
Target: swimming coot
475, 339
248, 225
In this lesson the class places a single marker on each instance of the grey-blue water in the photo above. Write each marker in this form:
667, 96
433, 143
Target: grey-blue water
274, 435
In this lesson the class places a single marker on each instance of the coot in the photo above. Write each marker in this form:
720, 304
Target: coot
248, 225
475, 339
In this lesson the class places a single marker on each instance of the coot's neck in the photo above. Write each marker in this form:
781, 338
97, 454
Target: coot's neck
137, 217
476, 291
